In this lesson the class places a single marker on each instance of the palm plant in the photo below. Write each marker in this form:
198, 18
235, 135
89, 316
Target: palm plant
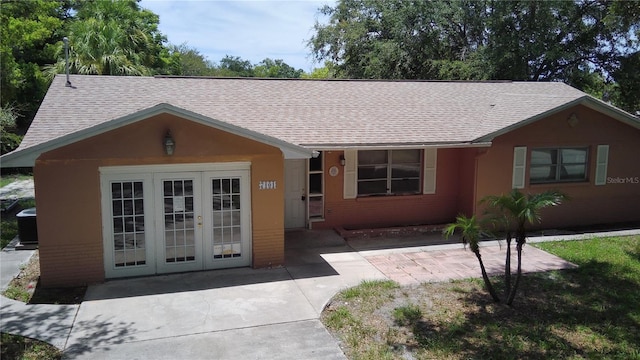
111, 38
519, 210
471, 232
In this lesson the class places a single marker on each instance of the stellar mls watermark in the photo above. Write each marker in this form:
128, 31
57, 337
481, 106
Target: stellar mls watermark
623, 180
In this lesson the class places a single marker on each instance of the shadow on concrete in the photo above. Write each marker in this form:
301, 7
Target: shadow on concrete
50, 323
303, 259
98, 333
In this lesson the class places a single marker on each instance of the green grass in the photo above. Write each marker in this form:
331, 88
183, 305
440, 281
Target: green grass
8, 179
19, 347
591, 312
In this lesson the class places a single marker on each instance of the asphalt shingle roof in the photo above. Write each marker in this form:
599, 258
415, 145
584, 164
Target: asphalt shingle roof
306, 112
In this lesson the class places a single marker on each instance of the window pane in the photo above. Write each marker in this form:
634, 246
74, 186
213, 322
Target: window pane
409, 186
372, 172
574, 156
315, 183
544, 156
372, 187
315, 163
371, 157
405, 171
405, 156
316, 207
573, 172
116, 191
542, 174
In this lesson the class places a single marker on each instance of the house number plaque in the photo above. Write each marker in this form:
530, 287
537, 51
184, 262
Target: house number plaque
267, 185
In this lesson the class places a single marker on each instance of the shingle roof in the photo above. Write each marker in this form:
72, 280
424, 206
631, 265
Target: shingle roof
306, 112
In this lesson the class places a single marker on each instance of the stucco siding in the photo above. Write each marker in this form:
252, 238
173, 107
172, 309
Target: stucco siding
589, 204
67, 184
383, 211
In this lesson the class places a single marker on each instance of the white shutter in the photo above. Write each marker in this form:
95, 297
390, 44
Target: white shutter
350, 190
429, 176
519, 167
602, 159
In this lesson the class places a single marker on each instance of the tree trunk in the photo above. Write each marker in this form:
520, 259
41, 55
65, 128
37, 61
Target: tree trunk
507, 268
512, 295
485, 277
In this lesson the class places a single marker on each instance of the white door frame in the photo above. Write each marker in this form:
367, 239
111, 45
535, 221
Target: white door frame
151, 176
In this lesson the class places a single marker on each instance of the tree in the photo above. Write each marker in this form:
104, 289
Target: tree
113, 38
235, 66
189, 61
518, 210
569, 41
8, 139
27, 31
269, 68
471, 232
328, 71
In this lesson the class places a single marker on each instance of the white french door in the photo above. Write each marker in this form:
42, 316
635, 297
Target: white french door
175, 221
227, 239
178, 222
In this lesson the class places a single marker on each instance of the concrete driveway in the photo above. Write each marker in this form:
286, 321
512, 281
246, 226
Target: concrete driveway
248, 313
224, 314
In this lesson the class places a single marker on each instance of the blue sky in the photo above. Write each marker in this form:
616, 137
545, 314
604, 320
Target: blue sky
253, 30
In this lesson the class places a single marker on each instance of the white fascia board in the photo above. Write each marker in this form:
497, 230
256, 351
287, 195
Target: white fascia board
27, 157
338, 147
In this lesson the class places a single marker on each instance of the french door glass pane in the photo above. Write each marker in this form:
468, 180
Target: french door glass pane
127, 212
179, 221
227, 222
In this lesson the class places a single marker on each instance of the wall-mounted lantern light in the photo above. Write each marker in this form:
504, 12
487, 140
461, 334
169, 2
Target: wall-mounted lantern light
169, 144
342, 160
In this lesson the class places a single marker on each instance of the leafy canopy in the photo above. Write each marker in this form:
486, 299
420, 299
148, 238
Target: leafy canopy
593, 45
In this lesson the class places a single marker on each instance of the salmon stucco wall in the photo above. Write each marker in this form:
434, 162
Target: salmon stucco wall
616, 201
67, 183
386, 211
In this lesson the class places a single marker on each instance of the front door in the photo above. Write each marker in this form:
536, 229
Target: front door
164, 222
295, 194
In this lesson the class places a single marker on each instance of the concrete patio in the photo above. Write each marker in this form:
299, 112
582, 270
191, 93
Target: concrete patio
252, 313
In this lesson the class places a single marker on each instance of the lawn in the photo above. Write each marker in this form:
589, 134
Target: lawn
8, 179
589, 312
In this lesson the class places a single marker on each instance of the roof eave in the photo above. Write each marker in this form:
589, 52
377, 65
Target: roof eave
27, 157
586, 100
393, 146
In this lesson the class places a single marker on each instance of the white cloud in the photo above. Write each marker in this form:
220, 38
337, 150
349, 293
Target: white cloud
252, 30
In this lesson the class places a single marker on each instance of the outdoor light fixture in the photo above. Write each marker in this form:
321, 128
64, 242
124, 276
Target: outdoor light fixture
169, 144
342, 160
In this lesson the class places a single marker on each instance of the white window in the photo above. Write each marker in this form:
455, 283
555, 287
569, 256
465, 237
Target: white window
550, 165
389, 172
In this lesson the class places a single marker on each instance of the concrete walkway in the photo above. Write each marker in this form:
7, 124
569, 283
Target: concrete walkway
246, 313
50, 323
